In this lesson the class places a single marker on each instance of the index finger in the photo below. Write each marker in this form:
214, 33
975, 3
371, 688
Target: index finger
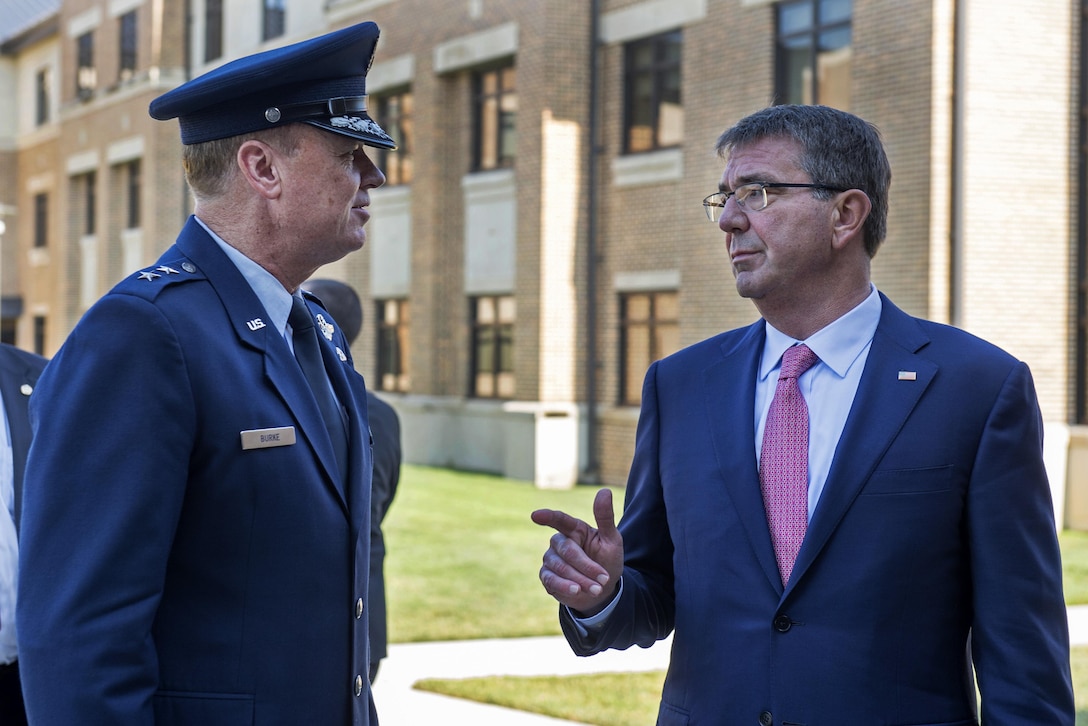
559, 521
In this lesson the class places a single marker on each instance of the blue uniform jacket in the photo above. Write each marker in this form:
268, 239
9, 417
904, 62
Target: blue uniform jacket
935, 523
169, 575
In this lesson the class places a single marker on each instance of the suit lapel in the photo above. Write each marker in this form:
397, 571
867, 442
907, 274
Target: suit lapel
881, 407
358, 485
248, 317
731, 414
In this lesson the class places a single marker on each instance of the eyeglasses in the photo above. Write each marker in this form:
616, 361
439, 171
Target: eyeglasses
752, 197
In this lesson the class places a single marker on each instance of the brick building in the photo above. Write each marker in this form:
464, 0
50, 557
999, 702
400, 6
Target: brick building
540, 239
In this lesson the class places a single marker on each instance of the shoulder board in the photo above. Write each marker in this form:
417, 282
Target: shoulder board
149, 281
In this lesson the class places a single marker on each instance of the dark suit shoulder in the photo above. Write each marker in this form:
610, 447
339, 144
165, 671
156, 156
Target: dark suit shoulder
13, 357
712, 349
382, 416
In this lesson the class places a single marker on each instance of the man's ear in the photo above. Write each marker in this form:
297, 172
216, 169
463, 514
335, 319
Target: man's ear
848, 217
257, 162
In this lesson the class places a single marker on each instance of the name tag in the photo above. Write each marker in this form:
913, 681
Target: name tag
265, 438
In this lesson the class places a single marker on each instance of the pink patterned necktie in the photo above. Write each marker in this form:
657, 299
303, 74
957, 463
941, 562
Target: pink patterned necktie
783, 461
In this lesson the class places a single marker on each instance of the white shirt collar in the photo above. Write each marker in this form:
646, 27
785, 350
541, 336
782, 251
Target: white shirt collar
837, 345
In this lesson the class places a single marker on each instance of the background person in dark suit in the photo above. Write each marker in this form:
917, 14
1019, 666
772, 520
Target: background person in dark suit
925, 514
196, 520
342, 302
19, 371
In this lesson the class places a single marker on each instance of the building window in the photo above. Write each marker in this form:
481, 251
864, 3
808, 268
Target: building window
274, 16
213, 29
41, 220
86, 76
394, 114
133, 182
127, 52
85, 190
393, 319
43, 86
39, 334
653, 114
496, 109
814, 54
649, 330
493, 320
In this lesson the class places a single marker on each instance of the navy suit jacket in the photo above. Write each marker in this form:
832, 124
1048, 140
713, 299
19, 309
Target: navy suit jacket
170, 575
935, 523
19, 371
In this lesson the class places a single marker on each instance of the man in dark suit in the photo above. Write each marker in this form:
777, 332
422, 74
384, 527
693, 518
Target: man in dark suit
343, 303
855, 560
19, 371
195, 530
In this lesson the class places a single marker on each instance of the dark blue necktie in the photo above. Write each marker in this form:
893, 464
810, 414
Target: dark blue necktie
308, 354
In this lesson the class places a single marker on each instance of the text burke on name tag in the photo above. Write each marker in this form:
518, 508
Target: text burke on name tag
265, 438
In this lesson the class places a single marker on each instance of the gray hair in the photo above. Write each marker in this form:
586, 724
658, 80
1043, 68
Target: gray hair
838, 149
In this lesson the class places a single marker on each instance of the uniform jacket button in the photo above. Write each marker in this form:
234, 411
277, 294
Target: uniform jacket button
358, 685
359, 608
782, 623
765, 719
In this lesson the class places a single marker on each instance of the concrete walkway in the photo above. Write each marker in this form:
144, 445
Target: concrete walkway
401, 705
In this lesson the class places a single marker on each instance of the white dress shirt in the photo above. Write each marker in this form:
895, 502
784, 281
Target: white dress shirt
828, 386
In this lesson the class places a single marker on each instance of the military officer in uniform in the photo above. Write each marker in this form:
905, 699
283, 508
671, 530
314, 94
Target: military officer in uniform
195, 525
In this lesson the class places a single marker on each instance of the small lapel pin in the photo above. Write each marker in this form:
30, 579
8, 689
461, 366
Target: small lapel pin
188, 266
908, 376
26, 389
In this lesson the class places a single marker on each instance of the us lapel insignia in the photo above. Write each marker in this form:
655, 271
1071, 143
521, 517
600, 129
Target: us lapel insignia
255, 324
325, 327
908, 376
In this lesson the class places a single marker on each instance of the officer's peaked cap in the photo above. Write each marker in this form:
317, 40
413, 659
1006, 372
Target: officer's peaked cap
321, 82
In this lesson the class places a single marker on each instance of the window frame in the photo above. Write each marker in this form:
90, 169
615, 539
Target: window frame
127, 46
213, 30
811, 37
133, 179
393, 110
86, 74
499, 334
39, 331
629, 391
391, 344
41, 220
494, 130
89, 192
659, 72
273, 19
43, 84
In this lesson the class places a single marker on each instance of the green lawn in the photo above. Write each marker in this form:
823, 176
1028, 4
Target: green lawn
462, 556
462, 562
